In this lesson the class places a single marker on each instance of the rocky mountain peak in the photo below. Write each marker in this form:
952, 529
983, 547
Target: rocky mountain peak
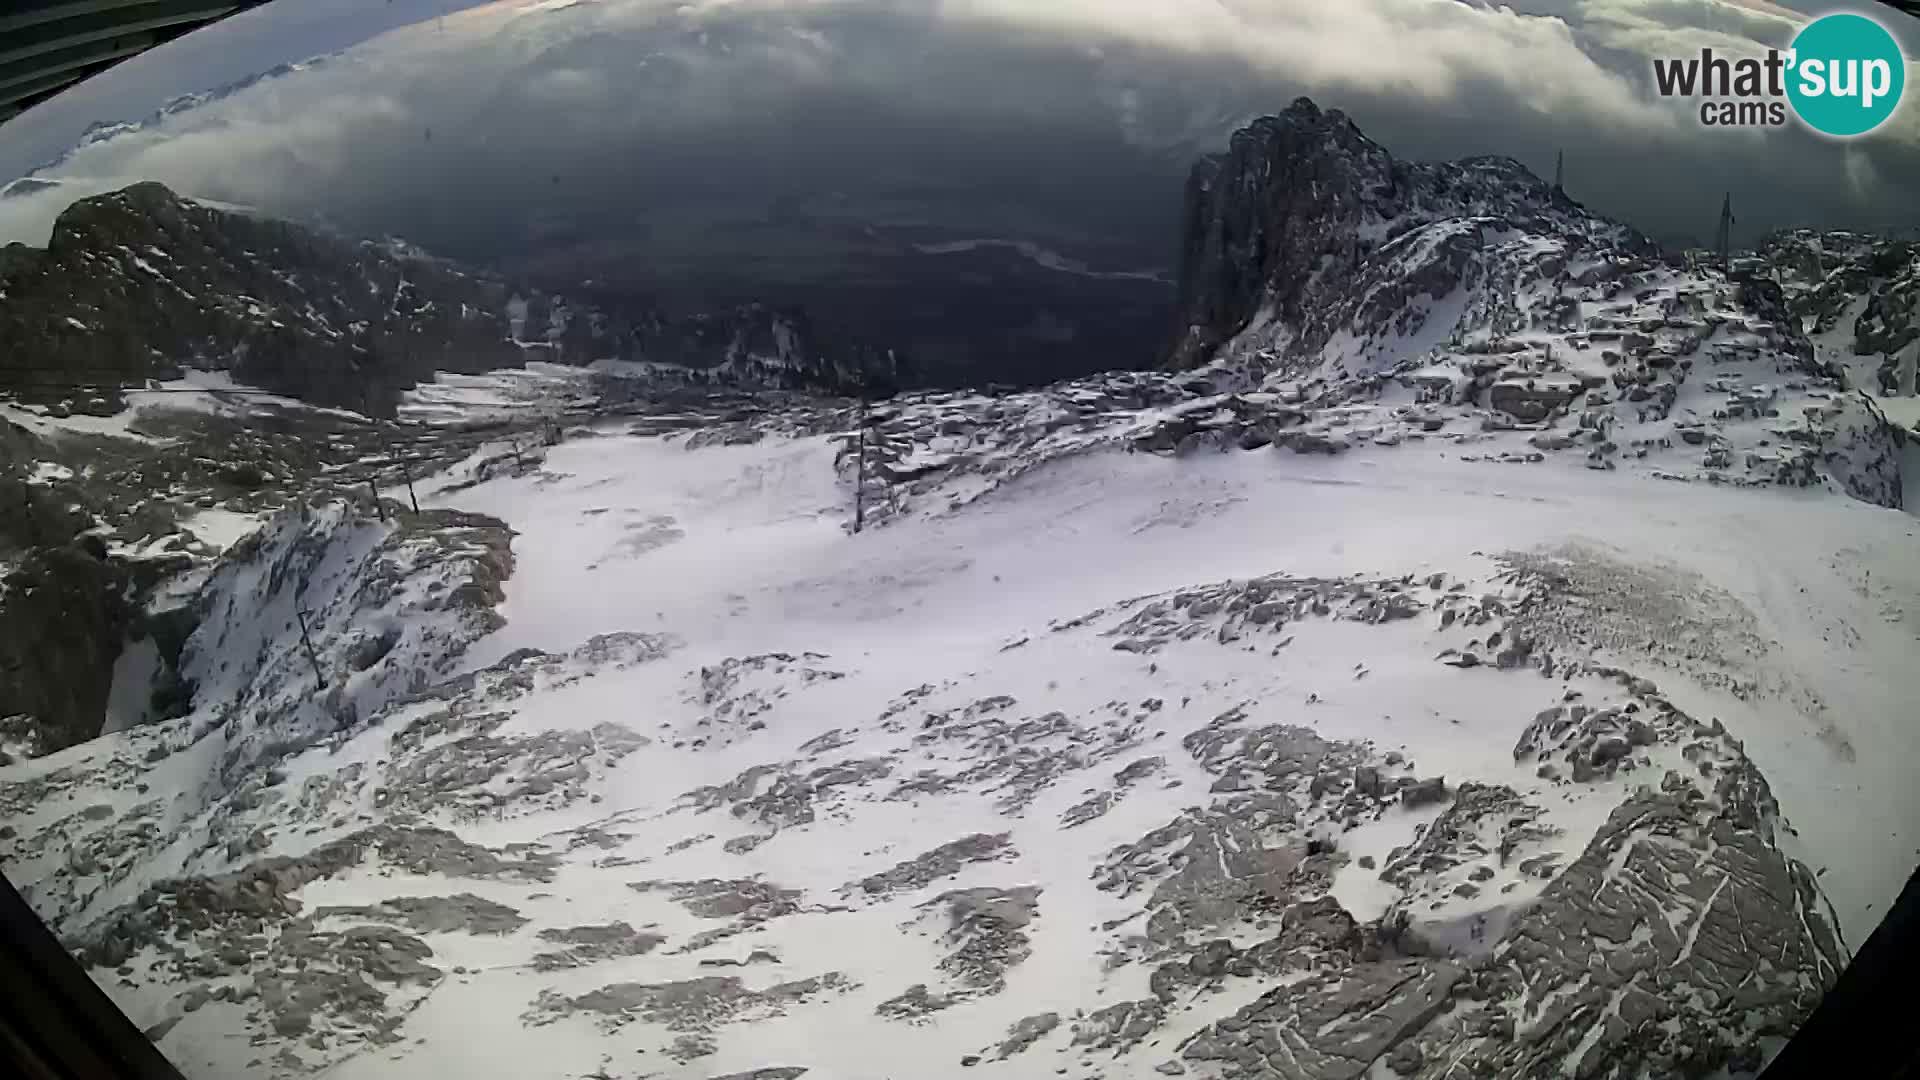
1303, 208
140, 283
1290, 190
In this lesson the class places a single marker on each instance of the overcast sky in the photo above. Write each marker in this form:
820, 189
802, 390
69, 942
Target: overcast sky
487, 128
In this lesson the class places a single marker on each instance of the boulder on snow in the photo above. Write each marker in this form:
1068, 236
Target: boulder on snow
1424, 792
1532, 399
1862, 451
1366, 780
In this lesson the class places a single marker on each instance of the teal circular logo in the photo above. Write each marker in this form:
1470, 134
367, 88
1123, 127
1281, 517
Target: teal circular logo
1846, 75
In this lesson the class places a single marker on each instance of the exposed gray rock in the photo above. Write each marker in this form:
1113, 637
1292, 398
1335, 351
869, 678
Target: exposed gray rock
1024, 1033
1647, 947
689, 1006
685, 1048
914, 1004
485, 775
780, 796
273, 299
1119, 1027
1088, 809
1330, 1027
65, 618
1306, 936
590, 944
987, 926
257, 896
740, 845
1207, 867
1424, 792
1139, 770
437, 914
1482, 822
1275, 224
943, 861
748, 900
1586, 598
1530, 399
351, 323
739, 690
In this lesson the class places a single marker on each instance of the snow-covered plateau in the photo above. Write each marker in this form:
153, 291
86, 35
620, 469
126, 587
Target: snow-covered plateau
627, 757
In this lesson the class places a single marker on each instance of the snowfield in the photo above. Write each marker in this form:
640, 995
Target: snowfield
743, 550
1411, 761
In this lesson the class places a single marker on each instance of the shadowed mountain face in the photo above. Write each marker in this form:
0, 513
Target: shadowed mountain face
1022, 254
1002, 234
138, 283
141, 283
1307, 227
963, 313
991, 190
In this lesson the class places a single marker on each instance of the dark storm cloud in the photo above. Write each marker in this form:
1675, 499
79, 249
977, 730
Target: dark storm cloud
631, 134
1787, 176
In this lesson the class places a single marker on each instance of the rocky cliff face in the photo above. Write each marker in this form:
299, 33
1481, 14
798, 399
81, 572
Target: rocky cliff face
750, 347
1305, 227
140, 283
63, 624
1318, 268
1857, 294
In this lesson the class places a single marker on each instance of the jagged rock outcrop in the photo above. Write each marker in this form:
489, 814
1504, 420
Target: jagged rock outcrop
1859, 291
138, 283
70, 601
1304, 214
748, 347
61, 627
1862, 450
1319, 272
1826, 273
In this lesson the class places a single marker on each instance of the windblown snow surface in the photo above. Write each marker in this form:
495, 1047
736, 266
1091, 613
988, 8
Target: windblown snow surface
1223, 764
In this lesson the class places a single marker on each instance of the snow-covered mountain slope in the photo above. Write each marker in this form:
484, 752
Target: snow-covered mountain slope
1665, 373
123, 515
1344, 296
1125, 764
